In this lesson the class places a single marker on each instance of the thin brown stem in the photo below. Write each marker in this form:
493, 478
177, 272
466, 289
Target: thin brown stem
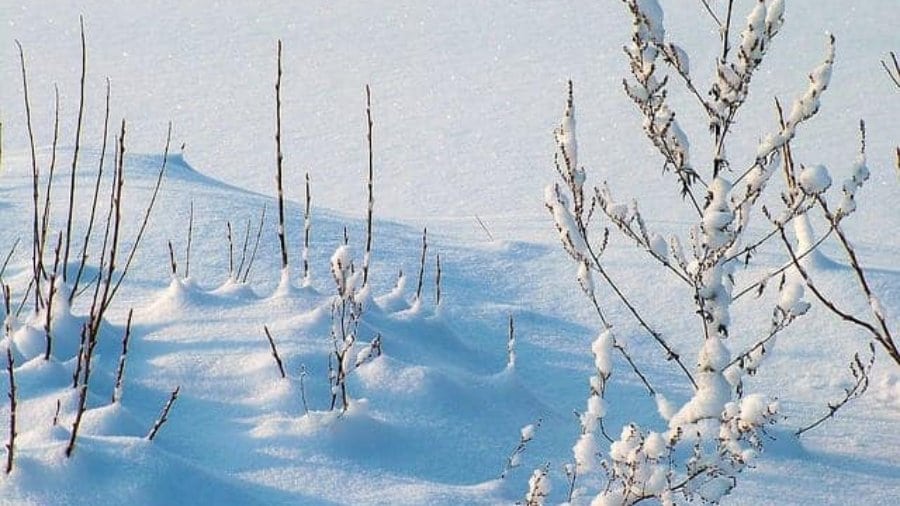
230, 240
45, 218
35, 174
275, 355
120, 369
146, 218
279, 159
69, 214
262, 219
90, 226
164, 415
306, 229
11, 445
187, 251
370, 185
422, 264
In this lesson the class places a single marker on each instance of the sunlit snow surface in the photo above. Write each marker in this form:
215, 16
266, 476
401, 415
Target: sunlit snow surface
465, 97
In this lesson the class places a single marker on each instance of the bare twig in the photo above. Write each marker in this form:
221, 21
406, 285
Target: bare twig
279, 158
894, 71
511, 344
90, 226
303, 375
307, 217
514, 458
711, 12
120, 370
860, 371
883, 339
275, 355
422, 263
172, 265
164, 415
11, 445
10, 368
69, 215
45, 218
190, 236
484, 227
437, 281
246, 243
230, 248
371, 181
8, 257
262, 219
146, 219
48, 320
35, 174
82, 390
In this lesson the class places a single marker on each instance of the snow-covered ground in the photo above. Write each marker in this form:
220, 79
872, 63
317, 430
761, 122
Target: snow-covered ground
465, 97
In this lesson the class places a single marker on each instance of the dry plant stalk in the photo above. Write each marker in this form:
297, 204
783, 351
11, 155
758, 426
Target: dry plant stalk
90, 226
45, 216
307, 217
262, 220
422, 264
187, 250
10, 369
275, 355
279, 159
172, 265
11, 445
35, 174
164, 415
48, 319
69, 214
437, 281
243, 259
120, 369
230, 240
370, 184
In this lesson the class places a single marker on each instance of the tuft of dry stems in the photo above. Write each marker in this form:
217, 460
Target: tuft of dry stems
370, 185
279, 159
69, 214
275, 355
422, 263
164, 415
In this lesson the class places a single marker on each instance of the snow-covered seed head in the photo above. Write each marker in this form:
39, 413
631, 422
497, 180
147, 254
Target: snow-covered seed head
814, 180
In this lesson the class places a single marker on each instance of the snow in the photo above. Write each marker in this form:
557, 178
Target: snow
465, 99
815, 179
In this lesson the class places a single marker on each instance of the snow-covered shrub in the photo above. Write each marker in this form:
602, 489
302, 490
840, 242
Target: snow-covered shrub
346, 311
713, 436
